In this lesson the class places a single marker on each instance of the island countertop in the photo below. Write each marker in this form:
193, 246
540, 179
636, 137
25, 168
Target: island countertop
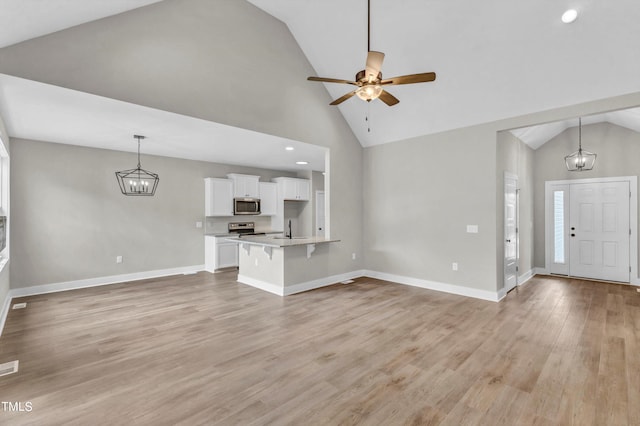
269, 241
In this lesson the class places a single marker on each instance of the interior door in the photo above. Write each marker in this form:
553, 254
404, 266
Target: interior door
510, 232
599, 231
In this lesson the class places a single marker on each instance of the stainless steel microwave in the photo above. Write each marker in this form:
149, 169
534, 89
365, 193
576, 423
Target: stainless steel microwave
246, 206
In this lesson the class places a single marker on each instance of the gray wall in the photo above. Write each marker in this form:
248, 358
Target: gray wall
618, 151
5, 283
420, 195
71, 221
203, 58
515, 157
436, 185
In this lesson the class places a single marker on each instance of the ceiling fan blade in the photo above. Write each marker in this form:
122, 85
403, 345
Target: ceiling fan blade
331, 80
374, 63
388, 98
410, 79
343, 98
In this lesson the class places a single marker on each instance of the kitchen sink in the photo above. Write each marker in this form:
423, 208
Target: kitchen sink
287, 238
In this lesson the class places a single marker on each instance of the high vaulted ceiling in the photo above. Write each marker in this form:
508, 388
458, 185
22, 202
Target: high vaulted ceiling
494, 59
22, 20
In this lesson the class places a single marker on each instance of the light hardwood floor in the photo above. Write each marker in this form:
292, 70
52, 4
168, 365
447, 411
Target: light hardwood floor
203, 349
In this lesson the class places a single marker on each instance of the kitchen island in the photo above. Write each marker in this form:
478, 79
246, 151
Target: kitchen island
282, 265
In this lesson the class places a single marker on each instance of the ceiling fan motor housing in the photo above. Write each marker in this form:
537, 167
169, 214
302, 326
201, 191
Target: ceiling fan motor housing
362, 77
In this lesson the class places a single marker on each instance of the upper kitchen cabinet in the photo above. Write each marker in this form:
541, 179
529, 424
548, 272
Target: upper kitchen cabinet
218, 197
293, 188
245, 185
268, 198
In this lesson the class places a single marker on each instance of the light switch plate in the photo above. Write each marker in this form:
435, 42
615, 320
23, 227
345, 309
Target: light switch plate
472, 229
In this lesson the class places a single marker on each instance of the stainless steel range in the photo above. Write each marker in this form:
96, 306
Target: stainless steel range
243, 228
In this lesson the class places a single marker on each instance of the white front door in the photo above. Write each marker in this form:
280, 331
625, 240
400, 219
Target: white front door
599, 231
510, 231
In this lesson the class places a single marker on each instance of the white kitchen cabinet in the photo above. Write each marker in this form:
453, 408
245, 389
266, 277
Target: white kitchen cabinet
293, 188
219, 253
268, 198
245, 185
218, 197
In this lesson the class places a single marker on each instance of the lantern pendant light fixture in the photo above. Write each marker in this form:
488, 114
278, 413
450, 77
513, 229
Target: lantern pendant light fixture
580, 160
137, 182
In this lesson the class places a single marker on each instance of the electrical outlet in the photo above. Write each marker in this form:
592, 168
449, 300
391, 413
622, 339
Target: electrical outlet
118, 259
454, 266
256, 261
198, 224
353, 256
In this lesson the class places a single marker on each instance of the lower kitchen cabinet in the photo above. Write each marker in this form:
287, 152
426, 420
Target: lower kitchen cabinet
219, 253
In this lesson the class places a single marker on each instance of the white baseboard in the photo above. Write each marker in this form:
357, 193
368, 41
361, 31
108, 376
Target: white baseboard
300, 287
262, 285
502, 293
91, 282
5, 310
492, 296
322, 282
540, 271
522, 279
94, 282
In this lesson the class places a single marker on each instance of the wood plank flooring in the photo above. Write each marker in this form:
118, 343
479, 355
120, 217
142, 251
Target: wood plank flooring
203, 349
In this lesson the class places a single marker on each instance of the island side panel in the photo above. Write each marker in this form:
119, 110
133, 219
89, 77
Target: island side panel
258, 270
300, 271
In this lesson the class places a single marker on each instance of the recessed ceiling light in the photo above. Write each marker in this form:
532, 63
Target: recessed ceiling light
289, 148
569, 16
302, 163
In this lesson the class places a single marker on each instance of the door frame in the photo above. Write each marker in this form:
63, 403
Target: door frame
633, 219
514, 177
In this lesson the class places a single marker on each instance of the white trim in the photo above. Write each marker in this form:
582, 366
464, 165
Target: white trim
300, 287
5, 310
522, 279
99, 281
502, 293
321, 282
540, 271
261, 285
492, 296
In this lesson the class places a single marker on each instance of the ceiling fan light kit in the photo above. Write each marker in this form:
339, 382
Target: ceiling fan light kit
580, 160
369, 80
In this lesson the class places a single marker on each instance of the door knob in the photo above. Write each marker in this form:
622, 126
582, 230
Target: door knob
573, 228
508, 241
573, 235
